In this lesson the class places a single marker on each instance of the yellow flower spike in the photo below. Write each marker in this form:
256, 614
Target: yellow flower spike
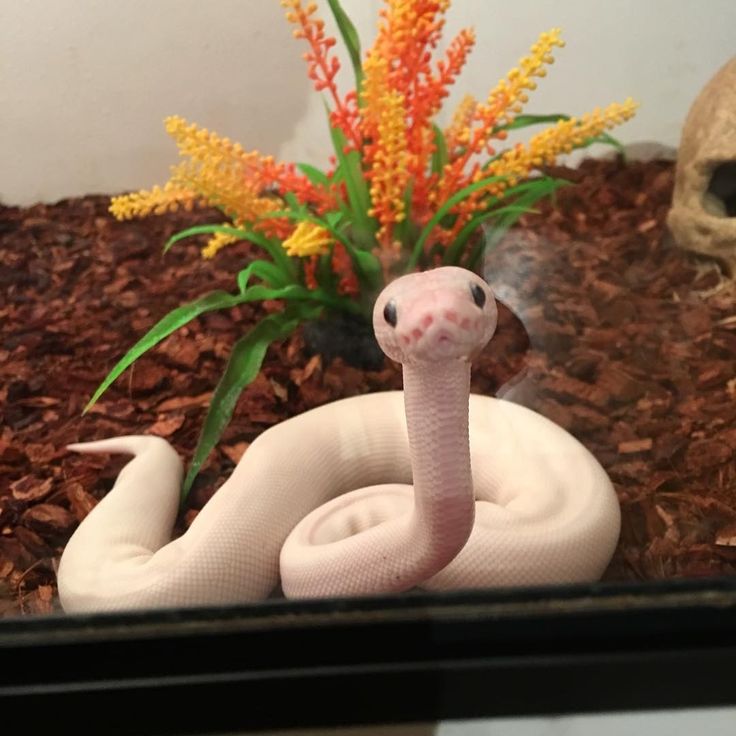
221, 172
157, 201
516, 163
384, 122
544, 147
202, 146
505, 101
510, 91
224, 188
217, 242
307, 239
458, 132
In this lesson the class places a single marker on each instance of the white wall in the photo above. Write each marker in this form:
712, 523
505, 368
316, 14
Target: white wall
85, 84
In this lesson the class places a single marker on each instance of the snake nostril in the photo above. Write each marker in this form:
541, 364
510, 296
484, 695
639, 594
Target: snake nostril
465, 324
451, 316
416, 333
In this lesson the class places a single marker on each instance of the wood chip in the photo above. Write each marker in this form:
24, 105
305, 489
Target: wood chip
166, 425
235, 452
185, 402
727, 536
604, 324
30, 488
48, 519
80, 501
633, 446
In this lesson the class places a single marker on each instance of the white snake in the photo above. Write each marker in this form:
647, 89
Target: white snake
538, 508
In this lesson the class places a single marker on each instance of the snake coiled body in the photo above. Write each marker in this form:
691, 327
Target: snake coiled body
501, 496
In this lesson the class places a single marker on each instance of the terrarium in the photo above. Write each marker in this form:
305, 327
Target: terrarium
411, 334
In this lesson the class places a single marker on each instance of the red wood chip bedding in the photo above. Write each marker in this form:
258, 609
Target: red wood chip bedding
611, 331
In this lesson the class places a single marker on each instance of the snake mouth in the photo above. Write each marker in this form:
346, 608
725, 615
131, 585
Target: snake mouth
440, 346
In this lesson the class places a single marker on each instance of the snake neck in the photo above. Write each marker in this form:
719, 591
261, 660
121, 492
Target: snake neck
436, 398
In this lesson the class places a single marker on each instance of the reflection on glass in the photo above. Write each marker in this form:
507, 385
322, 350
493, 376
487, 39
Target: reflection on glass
611, 305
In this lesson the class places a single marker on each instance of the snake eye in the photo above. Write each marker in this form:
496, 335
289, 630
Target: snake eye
389, 313
479, 296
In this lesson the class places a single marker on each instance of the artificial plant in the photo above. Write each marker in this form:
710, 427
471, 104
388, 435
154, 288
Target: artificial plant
403, 193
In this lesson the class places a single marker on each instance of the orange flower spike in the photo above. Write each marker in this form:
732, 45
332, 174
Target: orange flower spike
342, 266
411, 29
274, 227
310, 272
288, 180
448, 69
347, 117
408, 33
436, 88
322, 66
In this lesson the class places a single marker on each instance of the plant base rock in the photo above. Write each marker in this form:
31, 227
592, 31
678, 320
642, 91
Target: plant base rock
352, 340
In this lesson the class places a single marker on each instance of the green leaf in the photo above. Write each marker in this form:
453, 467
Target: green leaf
297, 293
606, 140
275, 249
520, 198
293, 292
317, 177
325, 275
439, 157
294, 203
265, 270
544, 187
162, 329
368, 265
272, 247
333, 218
350, 38
243, 366
358, 194
199, 230
524, 121
454, 252
456, 198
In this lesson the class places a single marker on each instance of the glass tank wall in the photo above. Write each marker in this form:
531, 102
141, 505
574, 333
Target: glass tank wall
196, 224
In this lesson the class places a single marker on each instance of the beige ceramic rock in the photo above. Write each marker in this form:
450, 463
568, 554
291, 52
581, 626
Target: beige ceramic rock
703, 214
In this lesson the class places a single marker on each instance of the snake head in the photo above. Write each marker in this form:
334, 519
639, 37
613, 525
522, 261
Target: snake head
446, 313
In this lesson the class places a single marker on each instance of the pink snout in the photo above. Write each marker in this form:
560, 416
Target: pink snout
441, 331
